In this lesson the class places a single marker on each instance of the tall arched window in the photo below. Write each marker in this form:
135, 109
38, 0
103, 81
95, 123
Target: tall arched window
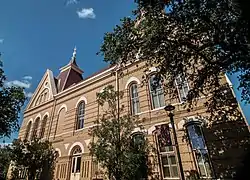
76, 162
27, 133
35, 128
43, 126
198, 145
134, 99
156, 92
80, 115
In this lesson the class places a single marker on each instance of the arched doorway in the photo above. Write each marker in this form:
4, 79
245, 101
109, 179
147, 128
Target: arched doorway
76, 163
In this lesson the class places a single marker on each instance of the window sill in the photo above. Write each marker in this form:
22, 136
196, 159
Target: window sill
78, 130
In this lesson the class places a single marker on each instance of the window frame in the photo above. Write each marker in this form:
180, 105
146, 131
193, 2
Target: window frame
181, 87
35, 128
43, 126
76, 157
80, 117
167, 153
134, 100
158, 92
195, 122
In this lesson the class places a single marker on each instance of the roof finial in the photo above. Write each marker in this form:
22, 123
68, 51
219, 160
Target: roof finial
73, 56
74, 53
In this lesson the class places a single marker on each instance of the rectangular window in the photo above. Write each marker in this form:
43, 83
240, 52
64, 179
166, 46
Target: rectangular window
166, 150
199, 148
182, 88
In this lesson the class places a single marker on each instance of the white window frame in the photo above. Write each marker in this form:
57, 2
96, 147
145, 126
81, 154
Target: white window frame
180, 87
75, 158
192, 121
134, 101
80, 115
158, 92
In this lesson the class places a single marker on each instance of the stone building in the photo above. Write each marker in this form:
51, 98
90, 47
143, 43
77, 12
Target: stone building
64, 107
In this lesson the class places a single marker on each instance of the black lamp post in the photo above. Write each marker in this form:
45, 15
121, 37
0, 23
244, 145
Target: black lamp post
169, 108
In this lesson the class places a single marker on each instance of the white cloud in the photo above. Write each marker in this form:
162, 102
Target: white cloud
29, 94
69, 2
1, 41
24, 83
27, 77
86, 13
18, 83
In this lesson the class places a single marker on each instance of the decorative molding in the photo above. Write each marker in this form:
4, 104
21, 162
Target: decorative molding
46, 114
80, 100
139, 130
87, 141
31, 120
152, 128
130, 80
38, 116
66, 146
62, 106
75, 144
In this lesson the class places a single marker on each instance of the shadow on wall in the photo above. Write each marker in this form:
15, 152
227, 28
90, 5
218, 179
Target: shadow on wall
228, 144
227, 138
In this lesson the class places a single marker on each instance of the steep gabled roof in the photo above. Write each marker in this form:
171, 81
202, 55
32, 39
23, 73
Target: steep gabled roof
69, 74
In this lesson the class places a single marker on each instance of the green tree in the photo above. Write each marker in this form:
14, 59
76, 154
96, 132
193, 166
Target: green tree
5, 154
36, 158
11, 100
199, 40
243, 6
123, 155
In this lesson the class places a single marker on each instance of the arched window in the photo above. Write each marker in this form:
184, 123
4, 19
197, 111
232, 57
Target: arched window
43, 126
35, 128
27, 131
198, 145
76, 160
134, 99
80, 115
156, 92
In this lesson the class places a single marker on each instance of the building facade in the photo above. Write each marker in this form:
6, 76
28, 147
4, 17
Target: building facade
64, 108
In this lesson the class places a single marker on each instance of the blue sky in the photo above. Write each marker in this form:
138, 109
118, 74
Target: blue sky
41, 34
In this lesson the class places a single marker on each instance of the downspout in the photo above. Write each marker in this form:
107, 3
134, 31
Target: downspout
118, 116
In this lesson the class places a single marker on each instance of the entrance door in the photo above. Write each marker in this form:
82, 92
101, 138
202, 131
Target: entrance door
76, 166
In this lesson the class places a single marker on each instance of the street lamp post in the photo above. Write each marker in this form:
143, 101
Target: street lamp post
169, 108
